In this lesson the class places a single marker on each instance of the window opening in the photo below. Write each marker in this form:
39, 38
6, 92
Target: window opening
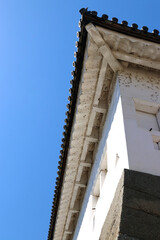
148, 117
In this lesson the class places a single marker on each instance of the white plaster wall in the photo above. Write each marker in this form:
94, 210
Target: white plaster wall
145, 86
124, 144
112, 148
117, 160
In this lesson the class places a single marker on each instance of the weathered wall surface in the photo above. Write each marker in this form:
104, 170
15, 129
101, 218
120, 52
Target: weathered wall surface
133, 121
112, 152
140, 92
135, 210
111, 225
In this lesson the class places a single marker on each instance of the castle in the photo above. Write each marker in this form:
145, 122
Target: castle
108, 184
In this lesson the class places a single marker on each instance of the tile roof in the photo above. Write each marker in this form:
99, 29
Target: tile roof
103, 21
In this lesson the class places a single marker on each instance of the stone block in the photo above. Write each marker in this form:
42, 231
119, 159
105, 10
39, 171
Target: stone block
135, 211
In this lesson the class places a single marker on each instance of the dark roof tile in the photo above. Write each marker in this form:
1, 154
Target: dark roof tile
105, 17
145, 29
134, 26
115, 20
124, 23
155, 32
94, 13
78, 34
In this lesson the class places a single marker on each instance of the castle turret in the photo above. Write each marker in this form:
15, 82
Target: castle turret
108, 184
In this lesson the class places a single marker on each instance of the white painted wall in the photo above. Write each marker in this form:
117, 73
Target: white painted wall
127, 142
112, 149
141, 89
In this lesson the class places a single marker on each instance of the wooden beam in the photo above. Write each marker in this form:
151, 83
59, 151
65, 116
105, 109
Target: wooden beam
79, 173
91, 122
67, 232
100, 109
103, 48
85, 149
74, 196
92, 139
100, 81
79, 184
137, 60
85, 164
74, 211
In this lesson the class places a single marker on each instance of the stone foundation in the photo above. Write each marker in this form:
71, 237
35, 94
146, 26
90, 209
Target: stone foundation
135, 210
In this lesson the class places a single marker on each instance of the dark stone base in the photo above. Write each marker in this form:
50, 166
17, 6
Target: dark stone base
135, 210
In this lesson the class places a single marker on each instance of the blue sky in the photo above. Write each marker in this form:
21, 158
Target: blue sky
37, 43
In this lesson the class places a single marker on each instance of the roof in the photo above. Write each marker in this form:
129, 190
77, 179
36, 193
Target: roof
103, 21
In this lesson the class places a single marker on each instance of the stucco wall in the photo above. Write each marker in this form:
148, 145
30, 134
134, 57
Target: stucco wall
127, 141
112, 150
140, 88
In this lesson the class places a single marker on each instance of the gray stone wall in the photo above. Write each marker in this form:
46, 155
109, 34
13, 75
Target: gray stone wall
135, 210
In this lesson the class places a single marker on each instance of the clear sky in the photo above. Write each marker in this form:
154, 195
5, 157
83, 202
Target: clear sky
37, 42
